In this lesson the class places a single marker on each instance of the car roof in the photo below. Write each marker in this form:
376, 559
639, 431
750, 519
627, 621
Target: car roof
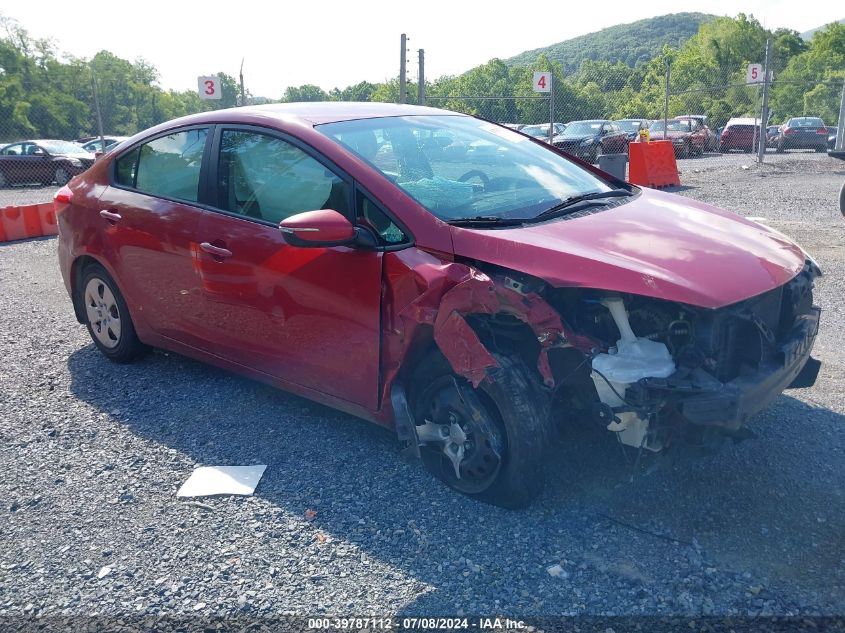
743, 121
37, 141
316, 112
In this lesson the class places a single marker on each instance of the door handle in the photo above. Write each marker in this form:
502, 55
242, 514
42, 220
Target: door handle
217, 251
110, 216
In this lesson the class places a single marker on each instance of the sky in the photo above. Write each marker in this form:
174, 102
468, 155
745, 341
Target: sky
336, 43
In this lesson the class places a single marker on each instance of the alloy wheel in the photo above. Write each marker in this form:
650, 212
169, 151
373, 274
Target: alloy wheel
103, 313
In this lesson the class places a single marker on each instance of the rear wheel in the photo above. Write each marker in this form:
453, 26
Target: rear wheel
487, 443
107, 316
842, 200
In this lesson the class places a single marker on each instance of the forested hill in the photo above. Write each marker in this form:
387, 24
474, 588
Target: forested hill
627, 43
808, 35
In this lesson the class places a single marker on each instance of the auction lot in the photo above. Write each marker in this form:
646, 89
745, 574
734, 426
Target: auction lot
93, 453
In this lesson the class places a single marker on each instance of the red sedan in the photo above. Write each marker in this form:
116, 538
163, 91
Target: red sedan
332, 250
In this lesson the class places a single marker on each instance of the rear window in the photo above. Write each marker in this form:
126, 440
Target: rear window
741, 128
806, 122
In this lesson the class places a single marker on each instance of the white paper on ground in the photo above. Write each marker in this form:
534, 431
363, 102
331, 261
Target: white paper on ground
206, 481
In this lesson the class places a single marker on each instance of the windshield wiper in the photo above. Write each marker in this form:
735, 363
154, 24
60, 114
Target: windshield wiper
486, 220
566, 205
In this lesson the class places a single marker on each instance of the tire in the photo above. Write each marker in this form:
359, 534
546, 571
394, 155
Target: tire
2, 181
503, 462
685, 152
842, 199
62, 176
779, 149
593, 158
107, 316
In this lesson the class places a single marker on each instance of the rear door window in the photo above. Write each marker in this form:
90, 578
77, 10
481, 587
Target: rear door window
168, 166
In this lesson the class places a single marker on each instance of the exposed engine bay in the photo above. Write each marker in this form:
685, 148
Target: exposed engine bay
658, 373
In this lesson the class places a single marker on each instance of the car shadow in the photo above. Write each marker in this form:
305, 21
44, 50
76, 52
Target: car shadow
763, 508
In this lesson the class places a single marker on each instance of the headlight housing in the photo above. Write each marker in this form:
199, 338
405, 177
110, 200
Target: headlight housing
588, 142
75, 162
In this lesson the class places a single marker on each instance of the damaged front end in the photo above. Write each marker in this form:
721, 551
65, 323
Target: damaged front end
657, 373
669, 373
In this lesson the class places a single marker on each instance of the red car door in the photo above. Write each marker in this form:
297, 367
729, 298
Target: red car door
308, 316
149, 219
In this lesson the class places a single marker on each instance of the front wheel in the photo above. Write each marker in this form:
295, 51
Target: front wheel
842, 200
61, 176
487, 443
107, 316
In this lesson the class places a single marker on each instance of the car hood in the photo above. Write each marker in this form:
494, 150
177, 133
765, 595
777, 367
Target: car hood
658, 245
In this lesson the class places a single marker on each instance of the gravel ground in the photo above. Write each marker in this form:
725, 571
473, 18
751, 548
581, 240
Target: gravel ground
91, 455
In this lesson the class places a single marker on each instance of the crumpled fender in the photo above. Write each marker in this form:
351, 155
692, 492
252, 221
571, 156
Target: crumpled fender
478, 293
423, 289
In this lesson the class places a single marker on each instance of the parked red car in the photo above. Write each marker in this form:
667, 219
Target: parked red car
711, 141
687, 135
321, 248
740, 133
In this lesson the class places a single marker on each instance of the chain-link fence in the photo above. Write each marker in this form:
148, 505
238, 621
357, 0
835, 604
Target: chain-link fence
713, 120
714, 125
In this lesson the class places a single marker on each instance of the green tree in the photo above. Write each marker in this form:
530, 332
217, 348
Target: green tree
308, 92
811, 83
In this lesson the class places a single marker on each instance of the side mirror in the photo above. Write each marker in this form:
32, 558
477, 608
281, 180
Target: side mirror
314, 229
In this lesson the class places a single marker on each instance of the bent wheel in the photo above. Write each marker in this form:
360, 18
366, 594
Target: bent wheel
487, 443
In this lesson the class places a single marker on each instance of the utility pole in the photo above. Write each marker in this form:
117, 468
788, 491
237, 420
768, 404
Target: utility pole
551, 105
421, 79
666, 102
402, 71
243, 92
764, 115
97, 109
840, 131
